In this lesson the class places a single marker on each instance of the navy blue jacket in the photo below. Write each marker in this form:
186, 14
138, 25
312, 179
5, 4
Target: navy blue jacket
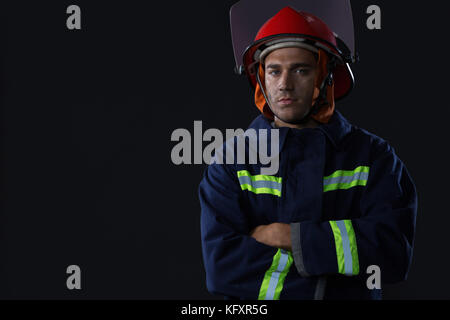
350, 203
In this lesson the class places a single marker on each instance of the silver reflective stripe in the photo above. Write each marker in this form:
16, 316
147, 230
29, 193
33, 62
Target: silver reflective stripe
276, 274
297, 249
347, 179
320, 288
260, 183
346, 246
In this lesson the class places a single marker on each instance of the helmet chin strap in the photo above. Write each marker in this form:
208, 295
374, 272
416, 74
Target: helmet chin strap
327, 81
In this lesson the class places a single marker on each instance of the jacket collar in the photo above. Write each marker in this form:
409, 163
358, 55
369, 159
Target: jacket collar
336, 129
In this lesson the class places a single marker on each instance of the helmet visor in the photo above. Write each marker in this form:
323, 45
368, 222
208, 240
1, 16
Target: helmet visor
248, 16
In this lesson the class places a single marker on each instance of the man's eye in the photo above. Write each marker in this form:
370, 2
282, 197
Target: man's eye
302, 71
274, 72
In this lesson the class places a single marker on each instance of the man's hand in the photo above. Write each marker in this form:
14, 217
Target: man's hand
276, 235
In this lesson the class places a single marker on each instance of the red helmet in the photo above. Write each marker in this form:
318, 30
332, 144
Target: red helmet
304, 30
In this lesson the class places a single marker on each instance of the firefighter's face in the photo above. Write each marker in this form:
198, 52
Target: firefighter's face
289, 81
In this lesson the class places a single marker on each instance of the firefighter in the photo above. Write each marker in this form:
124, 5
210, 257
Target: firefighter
341, 201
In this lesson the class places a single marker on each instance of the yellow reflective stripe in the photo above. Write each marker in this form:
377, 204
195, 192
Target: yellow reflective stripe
336, 186
259, 177
346, 248
353, 246
275, 192
342, 173
274, 277
345, 179
339, 249
260, 184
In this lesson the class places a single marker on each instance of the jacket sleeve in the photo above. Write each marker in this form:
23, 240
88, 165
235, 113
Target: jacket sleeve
382, 235
236, 264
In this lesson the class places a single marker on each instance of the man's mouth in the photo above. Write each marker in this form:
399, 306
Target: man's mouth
285, 101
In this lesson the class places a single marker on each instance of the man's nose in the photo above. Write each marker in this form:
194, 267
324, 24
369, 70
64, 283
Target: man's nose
286, 83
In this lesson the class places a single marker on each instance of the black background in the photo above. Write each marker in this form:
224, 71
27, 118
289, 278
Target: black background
87, 120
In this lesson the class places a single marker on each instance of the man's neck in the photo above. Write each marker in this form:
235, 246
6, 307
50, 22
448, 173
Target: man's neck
311, 123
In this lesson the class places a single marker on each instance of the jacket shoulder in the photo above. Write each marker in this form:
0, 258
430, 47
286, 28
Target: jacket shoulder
370, 140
